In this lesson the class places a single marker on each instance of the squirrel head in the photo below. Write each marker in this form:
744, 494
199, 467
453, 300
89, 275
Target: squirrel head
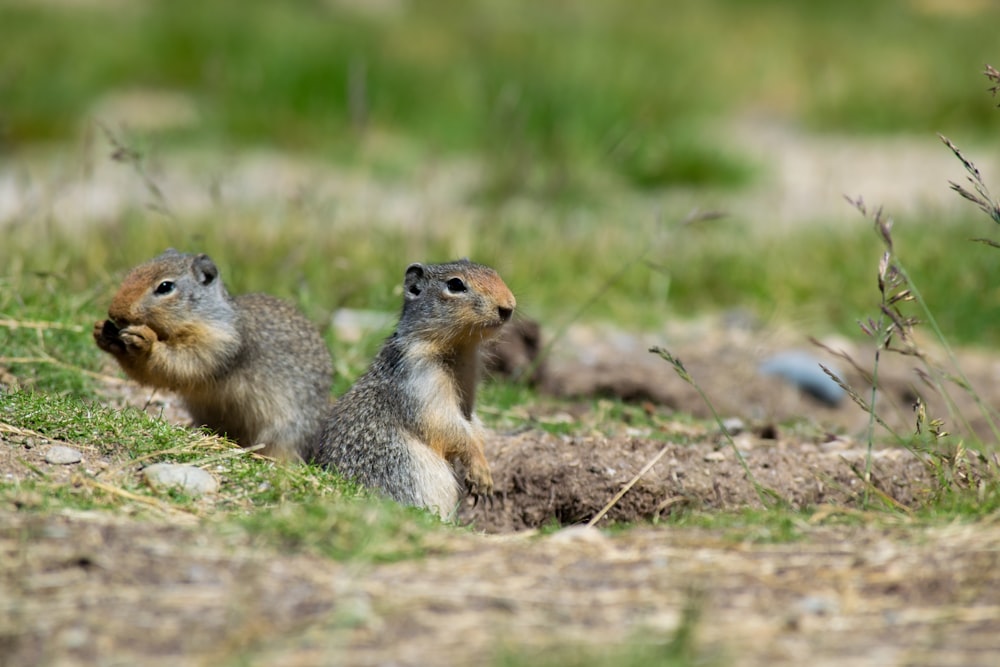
172, 293
455, 301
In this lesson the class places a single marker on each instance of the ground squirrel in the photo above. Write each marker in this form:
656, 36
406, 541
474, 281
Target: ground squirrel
409, 419
251, 367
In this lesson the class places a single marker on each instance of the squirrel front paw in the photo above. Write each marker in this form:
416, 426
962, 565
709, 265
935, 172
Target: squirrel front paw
479, 480
106, 337
134, 339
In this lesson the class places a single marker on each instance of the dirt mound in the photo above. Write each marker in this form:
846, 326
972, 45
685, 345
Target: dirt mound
727, 356
542, 478
807, 451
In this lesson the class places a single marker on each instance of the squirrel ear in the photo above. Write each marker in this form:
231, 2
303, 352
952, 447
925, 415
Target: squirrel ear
413, 284
205, 270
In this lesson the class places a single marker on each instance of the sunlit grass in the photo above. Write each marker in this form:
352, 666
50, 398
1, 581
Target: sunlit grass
636, 273
540, 89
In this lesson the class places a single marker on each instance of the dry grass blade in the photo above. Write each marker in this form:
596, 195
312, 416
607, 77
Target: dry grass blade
204, 442
696, 216
127, 155
625, 489
767, 497
27, 432
856, 397
826, 511
993, 75
863, 372
870, 486
981, 197
52, 361
166, 508
231, 451
35, 324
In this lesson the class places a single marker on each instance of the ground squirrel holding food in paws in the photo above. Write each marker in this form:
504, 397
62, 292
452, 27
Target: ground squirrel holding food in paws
409, 418
250, 367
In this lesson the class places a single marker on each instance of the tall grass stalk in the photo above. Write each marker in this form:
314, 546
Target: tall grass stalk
768, 497
892, 331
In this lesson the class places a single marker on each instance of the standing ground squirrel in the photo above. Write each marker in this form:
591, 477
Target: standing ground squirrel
405, 422
251, 367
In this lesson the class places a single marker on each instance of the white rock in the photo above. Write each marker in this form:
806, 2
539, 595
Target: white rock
733, 425
188, 479
62, 455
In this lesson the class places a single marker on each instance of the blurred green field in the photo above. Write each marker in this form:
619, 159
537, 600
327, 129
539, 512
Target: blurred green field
549, 87
642, 279
581, 107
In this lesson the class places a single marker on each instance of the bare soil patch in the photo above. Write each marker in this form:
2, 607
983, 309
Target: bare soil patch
543, 479
868, 588
87, 588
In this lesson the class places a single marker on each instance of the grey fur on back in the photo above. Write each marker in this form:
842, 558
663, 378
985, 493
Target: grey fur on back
277, 390
251, 367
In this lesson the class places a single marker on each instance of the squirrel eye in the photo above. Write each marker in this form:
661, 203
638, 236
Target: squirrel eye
166, 287
456, 285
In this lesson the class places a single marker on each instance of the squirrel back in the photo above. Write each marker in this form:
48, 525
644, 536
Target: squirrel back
251, 367
410, 418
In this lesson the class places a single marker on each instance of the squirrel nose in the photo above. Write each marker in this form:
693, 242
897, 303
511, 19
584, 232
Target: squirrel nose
505, 313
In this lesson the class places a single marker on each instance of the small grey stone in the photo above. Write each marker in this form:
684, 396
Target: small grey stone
817, 605
74, 638
803, 370
733, 425
189, 479
61, 455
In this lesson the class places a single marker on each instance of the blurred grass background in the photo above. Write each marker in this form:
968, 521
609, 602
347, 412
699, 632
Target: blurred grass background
588, 111
562, 80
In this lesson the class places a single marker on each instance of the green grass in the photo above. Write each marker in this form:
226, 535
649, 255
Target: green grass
300, 509
372, 530
544, 90
822, 278
679, 649
550, 95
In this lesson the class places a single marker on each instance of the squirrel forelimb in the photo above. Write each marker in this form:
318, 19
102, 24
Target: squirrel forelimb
409, 421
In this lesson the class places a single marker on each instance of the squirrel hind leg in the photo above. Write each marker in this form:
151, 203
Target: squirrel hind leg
434, 484
282, 451
284, 442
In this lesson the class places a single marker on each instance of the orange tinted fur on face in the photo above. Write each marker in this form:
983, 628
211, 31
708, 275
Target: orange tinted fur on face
132, 293
251, 367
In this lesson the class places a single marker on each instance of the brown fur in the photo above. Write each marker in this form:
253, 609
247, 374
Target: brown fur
250, 367
404, 424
